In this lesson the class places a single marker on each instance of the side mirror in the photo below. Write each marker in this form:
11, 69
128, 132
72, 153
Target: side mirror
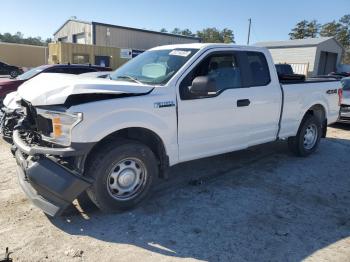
203, 86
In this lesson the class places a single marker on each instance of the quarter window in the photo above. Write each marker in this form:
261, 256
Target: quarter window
259, 69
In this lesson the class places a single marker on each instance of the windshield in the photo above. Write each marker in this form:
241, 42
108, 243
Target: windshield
154, 67
31, 73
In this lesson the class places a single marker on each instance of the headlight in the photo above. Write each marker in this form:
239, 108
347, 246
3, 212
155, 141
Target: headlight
59, 126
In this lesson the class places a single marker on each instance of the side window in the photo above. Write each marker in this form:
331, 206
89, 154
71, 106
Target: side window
221, 68
259, 69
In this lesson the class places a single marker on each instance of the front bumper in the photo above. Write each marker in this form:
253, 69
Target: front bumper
49, 185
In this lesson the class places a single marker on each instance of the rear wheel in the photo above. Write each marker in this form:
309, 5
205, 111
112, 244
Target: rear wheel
308, 137
124, 172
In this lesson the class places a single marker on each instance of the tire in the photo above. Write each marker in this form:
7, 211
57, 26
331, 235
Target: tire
124, 172
13, 74
306, 141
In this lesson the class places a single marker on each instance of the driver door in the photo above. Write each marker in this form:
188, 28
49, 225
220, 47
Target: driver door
210, 125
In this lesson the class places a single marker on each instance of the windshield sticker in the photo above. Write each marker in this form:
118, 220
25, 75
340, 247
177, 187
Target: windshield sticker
180, 53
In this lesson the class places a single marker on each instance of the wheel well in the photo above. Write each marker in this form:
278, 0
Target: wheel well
142, 135
320, 112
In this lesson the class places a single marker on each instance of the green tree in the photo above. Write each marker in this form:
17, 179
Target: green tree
20, 39
330, 29
187, 32
300, 30
163, 30
227, 35
48, 40
176, 31
345, 20
338, 30
312, 29
213, 35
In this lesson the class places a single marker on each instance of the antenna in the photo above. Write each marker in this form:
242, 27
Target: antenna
250, 24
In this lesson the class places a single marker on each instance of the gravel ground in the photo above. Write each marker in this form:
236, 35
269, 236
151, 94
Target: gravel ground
261, 204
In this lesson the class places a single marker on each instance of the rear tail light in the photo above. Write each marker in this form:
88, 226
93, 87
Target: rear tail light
340, 95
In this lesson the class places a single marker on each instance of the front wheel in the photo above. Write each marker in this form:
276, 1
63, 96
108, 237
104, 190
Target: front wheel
308, 137
124, 173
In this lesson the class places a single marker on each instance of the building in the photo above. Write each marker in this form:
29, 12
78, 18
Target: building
311, 56
129, 41
25, 56
95, 33
64, 53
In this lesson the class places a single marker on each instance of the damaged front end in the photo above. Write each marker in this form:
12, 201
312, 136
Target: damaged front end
50, 175
9, 118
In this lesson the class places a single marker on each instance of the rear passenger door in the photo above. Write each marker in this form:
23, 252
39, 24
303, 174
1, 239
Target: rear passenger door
261, 117
244, 110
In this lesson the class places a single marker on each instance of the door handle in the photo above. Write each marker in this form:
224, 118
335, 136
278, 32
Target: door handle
243, 102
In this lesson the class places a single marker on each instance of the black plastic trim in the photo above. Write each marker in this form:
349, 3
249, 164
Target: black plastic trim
49, 185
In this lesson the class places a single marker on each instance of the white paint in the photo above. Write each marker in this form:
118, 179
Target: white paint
193, 128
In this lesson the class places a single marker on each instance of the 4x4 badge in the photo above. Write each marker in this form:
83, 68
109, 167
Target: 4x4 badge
164, 104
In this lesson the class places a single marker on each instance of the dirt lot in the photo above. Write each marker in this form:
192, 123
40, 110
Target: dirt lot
261, 204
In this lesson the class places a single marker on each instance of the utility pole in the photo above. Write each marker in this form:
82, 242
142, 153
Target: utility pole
250, 24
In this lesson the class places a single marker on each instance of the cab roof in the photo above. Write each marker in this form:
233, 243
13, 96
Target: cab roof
207, 45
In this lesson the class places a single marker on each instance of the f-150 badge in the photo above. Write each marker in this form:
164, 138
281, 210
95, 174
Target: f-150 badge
164, 104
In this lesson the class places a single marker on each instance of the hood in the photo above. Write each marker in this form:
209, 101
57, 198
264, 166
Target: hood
54, 89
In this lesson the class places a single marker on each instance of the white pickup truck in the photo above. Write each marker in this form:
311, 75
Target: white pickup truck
113, 137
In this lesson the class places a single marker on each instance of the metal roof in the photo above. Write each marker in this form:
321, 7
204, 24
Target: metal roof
127, 28
296, 42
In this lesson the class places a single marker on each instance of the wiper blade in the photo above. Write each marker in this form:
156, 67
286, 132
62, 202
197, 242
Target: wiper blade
131, 78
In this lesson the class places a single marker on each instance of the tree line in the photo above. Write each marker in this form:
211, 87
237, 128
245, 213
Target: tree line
20, 39
339, 29
208, 35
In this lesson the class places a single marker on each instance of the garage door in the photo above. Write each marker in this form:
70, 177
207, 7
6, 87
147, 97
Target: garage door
328, 63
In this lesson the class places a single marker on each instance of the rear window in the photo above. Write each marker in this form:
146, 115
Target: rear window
259, 69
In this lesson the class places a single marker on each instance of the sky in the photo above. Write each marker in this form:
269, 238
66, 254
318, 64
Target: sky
271, 20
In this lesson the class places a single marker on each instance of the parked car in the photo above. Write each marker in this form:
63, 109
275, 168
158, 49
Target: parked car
10, 85
114, 137
345, 106
285, 73
11, 70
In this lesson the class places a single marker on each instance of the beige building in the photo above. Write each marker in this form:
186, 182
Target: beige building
26, 56
312, 56
95, 33
100, 39
64, 53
